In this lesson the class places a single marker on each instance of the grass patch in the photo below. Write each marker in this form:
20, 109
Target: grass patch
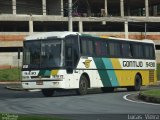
152, 93
27, 117
12, 74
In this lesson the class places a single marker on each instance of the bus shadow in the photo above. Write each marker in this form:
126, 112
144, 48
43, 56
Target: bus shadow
11, 94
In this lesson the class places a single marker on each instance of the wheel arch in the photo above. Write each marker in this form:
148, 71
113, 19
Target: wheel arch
140, 75
88, 78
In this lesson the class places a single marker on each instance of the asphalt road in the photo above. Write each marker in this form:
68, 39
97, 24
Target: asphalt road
23, 102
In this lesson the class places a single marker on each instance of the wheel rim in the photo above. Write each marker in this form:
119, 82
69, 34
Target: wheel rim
138, 83
83, 85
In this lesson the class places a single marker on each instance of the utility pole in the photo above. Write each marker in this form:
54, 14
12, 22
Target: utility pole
70, 22
126, 29
145, 27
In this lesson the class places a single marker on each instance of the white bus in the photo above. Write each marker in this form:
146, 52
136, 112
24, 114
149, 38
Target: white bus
70, 60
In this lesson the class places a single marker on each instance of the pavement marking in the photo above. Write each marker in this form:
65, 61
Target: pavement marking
34, 90
125, 97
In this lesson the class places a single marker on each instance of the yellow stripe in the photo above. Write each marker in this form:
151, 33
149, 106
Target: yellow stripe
103, 36
116, 63
54, 72
127, 77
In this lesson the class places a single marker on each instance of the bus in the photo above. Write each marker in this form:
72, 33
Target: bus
71, 60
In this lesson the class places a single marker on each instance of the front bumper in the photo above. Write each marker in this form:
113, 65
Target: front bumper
43, 84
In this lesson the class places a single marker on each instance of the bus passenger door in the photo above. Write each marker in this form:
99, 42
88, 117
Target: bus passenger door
69, 59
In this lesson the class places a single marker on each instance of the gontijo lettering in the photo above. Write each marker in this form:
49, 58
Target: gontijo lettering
132, 64
138, 64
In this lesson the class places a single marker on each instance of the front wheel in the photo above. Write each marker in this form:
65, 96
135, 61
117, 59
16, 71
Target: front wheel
47, 92
83, 86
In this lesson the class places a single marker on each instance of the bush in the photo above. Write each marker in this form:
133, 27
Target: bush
12, 74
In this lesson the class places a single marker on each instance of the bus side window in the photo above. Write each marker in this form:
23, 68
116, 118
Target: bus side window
115, 49
84, 47
127, 50
90, 48
149, 52
152, 52
87, 46
101, 48
138, 51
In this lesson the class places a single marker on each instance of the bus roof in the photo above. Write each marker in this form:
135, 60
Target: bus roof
63, 34
134, 40
46, 35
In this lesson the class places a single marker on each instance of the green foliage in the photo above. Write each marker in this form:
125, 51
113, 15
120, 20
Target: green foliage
152, 93
25, 117
12, 74
6, 116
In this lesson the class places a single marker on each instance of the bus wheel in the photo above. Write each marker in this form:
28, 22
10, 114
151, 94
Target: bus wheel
137, 84
47, 92
107, 89
83, 86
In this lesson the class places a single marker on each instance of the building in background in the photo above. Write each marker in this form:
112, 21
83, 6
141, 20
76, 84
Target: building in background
135, 19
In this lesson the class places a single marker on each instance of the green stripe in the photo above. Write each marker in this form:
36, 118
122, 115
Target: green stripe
108, 77
103, 73
111, 73
44, 73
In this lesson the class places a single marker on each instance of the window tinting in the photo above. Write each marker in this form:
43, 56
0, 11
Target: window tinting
71, 50
98, 47
127, 50
149, 52
90, 47
101, 48
84, 47
87, 46
138, 51
115, 49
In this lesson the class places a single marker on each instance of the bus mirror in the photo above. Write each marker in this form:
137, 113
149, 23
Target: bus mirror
69, 70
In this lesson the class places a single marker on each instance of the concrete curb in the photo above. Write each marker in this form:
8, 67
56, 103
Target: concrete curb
147, 98
16, 88
11, 83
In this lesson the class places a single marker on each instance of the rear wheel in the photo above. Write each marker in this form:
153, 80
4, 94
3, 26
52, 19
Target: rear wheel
83, 86
47, 92
137, 84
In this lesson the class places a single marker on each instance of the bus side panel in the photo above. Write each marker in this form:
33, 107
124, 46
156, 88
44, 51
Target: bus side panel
127, 77
106, 72
110, 72
87, 66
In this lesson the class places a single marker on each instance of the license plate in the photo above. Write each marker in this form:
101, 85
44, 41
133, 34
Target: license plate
39, 82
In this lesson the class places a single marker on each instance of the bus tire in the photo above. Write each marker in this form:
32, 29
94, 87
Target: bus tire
137, 84
107, 89
83, 86
48, 92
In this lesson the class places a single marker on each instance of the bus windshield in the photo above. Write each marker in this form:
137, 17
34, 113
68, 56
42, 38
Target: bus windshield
42, 53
